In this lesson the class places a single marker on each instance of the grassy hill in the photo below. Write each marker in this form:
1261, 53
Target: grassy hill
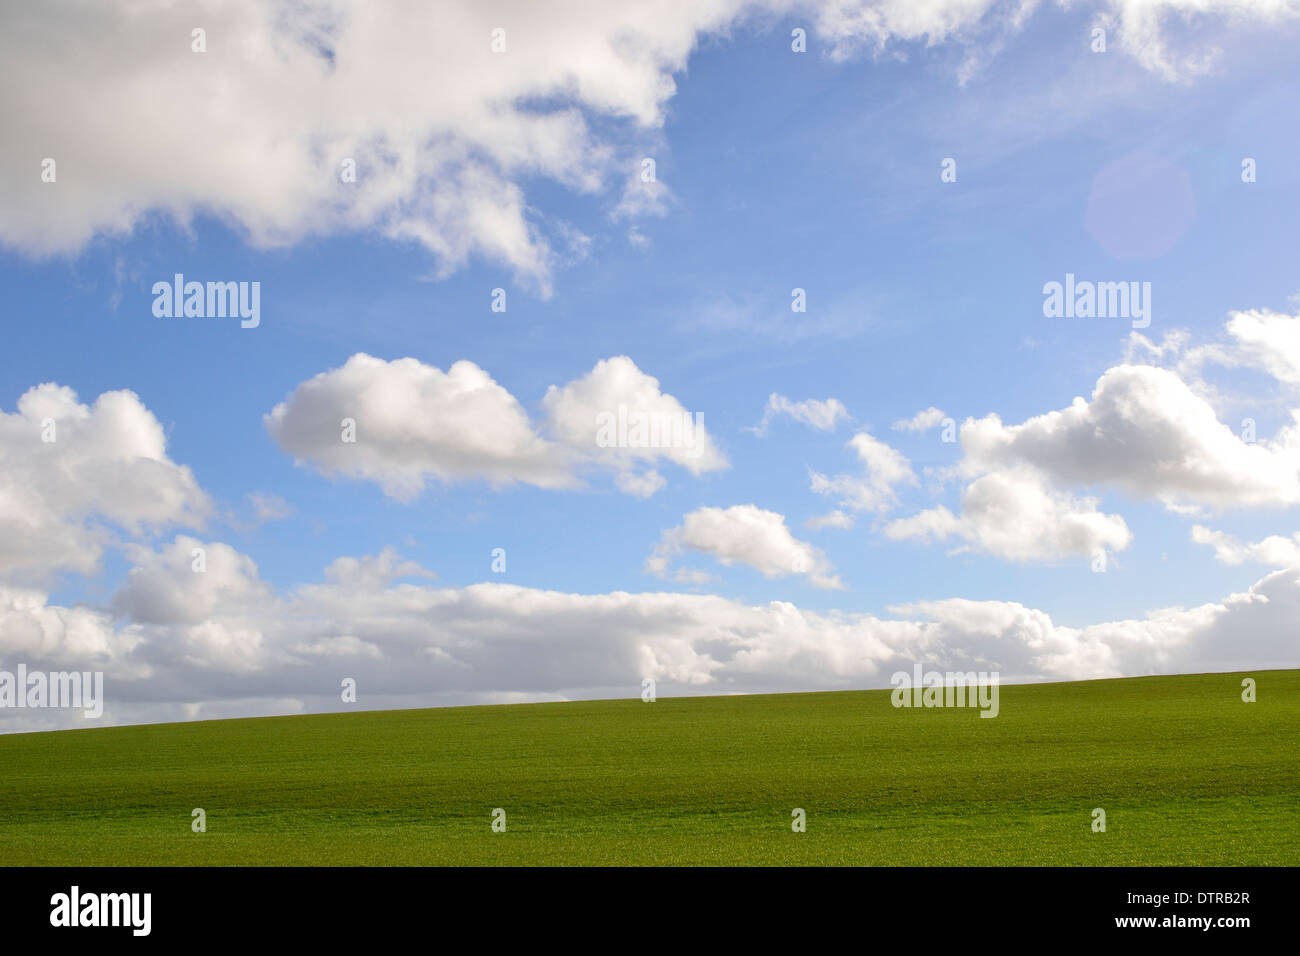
1186, 772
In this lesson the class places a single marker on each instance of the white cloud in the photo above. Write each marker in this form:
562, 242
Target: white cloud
875, 490
642, 195
617, 416
1262, 339
374, 571
443, 131
103, 466
744, 534
34, 631
639, 484
257, 128
414, 644
1143, 27
1256, 338
1146, 432
922, 421
834, 519
821, 415
1275, 550
186, 581
343, 646
1015, 515
268, 507
414, 423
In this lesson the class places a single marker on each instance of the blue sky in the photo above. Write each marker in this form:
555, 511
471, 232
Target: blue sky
778, 170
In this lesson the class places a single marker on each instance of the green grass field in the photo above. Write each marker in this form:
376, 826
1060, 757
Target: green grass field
1186, 771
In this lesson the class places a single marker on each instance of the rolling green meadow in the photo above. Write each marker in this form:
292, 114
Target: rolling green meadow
1187, 773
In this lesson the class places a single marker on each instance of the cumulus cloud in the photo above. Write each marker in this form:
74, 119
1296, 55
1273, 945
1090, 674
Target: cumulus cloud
1257, 338
1275, 550
403, 423
643, 193
257, 129
1143, 28
617, 416
1144, 431
641, 484
444, 133
186, 582
36, 632
1016, 515
1147, 430
922, 421
410, 643
744, 534
74, 477
267, 507
821, 415
414, 422
834, 519
1269, 341
884, 469
374, 571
